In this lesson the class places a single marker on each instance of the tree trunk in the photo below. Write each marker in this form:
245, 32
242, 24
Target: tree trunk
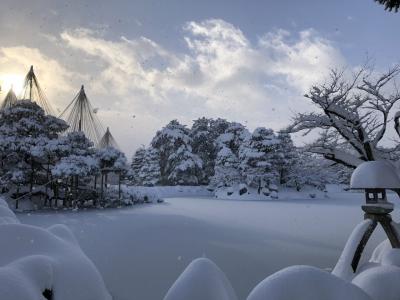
31, 179
16, 200
102, 186
119, 188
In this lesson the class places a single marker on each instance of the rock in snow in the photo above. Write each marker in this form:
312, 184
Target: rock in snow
201, 280
33, 259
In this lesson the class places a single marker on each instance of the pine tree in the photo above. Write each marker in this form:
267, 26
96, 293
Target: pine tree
25, 131
203, 144
228, 143
227, 173
149, 173
178, 165
186, 167
257, 157
136, 165
285, 156
390, 5
311, 170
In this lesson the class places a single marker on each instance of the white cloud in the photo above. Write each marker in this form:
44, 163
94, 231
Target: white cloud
222, 74
55, 79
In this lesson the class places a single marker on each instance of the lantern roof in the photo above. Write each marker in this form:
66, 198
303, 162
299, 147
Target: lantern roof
375, 174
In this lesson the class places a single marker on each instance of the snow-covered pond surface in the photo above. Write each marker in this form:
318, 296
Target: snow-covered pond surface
140, 251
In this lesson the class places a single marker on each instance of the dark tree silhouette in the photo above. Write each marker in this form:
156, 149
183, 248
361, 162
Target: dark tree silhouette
390, 5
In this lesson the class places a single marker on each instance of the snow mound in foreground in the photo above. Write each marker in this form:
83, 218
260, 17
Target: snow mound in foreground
306, 283
201, 280
33, 259
381, 276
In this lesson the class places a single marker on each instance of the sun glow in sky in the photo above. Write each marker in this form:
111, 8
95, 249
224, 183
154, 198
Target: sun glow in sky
8, 80
246, 61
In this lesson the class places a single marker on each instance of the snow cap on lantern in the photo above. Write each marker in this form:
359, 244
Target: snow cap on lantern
375, 177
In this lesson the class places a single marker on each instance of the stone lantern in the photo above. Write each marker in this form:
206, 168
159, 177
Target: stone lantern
375, 178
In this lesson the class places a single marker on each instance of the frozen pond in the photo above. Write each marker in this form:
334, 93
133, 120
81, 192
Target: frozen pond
140, 251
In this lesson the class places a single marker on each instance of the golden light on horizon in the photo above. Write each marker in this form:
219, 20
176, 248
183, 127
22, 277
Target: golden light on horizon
8, 80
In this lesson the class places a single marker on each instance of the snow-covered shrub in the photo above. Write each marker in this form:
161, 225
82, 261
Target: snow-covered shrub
306, 283
131, 195
34, 261
75, 165
111, 159
201, 280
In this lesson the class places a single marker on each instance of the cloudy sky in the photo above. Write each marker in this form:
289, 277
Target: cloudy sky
145, 62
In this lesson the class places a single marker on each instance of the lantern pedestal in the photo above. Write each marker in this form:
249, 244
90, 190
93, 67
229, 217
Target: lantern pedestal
377, 214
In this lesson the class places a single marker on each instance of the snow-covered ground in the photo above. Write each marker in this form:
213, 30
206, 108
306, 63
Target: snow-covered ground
140, 251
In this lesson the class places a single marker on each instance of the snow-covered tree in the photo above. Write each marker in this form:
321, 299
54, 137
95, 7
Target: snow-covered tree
76, 165
178, 164
25, 131
352, 112
311, 170
257, 155
233, 137
227, 172
136, 165
149, 174
204, 132
286, 155
185, 167
111, 160
390, 5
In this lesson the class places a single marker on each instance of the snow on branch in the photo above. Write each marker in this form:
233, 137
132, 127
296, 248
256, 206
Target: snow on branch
356, 107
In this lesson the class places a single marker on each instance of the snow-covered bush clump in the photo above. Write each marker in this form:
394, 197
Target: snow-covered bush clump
306, 283
243, 192
130, 195
75, 165
376, 279
37, 263
201, 280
